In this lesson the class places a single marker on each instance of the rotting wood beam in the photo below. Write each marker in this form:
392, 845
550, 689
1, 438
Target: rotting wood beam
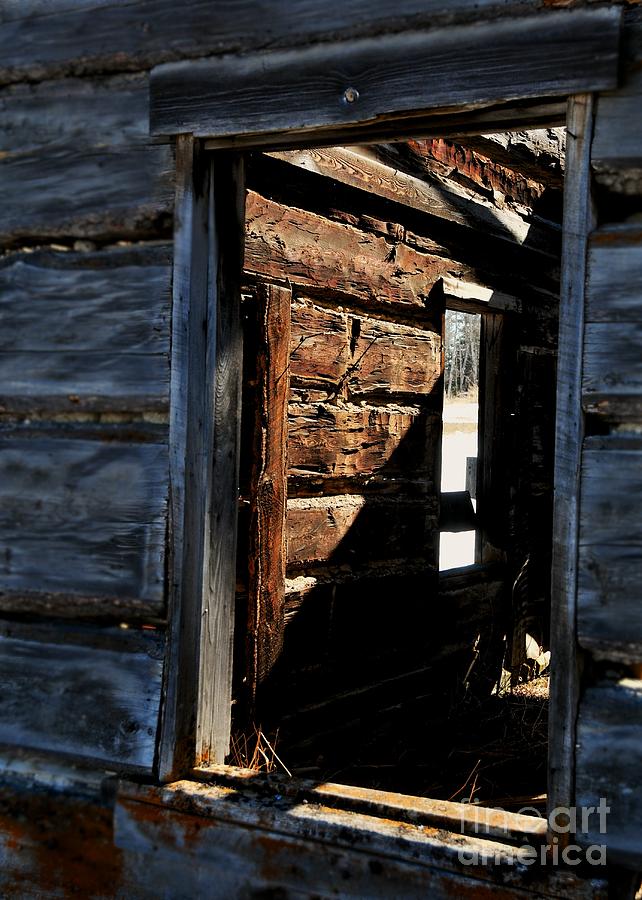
268, 485
362, 168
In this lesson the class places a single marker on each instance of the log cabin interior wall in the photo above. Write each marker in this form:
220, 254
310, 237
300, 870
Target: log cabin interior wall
365, 246
85, 280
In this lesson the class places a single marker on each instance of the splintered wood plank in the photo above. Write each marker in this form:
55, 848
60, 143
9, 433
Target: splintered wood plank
609, 768
82, 526
609, 612
309, 250
268, 486
341, 441
327, 85
94, 695
91, 135
578, 222
336, 530
86, 330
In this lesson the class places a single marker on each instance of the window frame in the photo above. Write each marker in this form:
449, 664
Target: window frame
206, 370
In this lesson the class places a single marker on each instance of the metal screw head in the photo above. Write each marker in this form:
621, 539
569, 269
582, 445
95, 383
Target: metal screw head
351, 95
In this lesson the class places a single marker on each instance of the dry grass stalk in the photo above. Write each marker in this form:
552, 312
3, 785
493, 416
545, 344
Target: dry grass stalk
256, 752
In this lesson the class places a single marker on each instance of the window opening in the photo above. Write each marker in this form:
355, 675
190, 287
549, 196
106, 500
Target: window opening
459, 438
390, 666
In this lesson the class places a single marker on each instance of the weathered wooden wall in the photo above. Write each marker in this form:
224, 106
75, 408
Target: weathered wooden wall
609, 755
86, 269
363, 239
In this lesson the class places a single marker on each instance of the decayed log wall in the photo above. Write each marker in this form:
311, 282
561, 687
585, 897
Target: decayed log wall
366, 623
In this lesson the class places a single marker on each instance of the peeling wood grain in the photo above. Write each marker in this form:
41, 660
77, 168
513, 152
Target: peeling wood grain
305, 89
444, 199
83, 521
85, 331
81, 699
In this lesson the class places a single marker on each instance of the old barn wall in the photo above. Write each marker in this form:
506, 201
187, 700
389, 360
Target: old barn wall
86, 271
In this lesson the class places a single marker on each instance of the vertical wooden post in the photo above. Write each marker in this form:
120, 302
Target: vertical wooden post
578, 222
268, 488
204, 401
224, 372
176, 751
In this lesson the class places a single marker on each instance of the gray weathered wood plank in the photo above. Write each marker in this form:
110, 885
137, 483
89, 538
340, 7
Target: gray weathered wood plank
85, 331
617, 114
614, 277
326, 85
609, 766
82, 698
568, 447
223, 371
82, 526
81, 151
204, 422
609, 614
612, 361
187, 472
39, 39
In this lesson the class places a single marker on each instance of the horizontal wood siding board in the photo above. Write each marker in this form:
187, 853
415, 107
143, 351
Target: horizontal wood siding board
609, 615
609, 765
101, 192
614, 279
38, 41
83, 112
83, 519
81, 700
617, 133
612, 360
305, 89
84, 331
80, 148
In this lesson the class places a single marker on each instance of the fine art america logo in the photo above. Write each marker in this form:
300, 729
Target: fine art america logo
560, 850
